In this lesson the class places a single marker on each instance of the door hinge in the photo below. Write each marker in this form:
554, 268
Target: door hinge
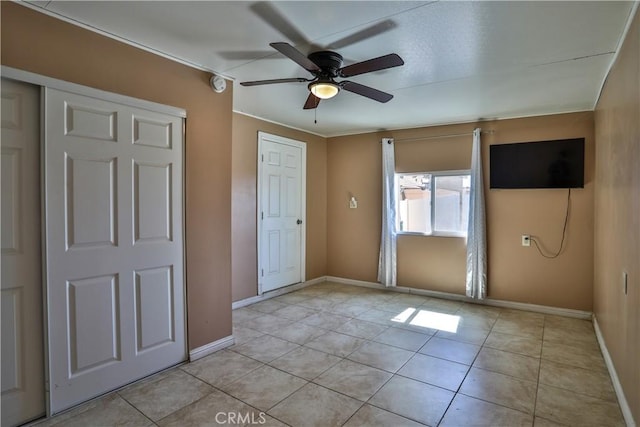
263, 157
261, 215
262, 272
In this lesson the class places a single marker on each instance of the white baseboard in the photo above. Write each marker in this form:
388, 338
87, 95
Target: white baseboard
401, 289
544, 309
457, 297
355, 282
245, 302
212, 347
276, 292
622, 401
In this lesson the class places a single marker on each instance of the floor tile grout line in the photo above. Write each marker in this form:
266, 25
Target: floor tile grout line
600, 370
428, 383
442, 358
496, 404
254, 407
393, 374
345, 394
306, 379
382, 409
582, 368
192, 403
362, 403
464, 378
504, 374
266, 363
145, 415
280, 401
450, 339
388, 410
535, 402
151, 379
511, 351
590, 396
218, 388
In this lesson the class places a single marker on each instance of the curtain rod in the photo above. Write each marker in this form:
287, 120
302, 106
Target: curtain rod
451, 135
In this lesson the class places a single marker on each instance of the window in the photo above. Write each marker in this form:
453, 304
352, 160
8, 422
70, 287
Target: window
433, 203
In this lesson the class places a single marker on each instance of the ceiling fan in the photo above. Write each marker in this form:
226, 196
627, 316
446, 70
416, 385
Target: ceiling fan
326, 66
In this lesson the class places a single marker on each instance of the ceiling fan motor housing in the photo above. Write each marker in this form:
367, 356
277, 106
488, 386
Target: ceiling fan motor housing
328, 61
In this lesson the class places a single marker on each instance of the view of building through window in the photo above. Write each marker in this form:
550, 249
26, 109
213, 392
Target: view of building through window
433, 203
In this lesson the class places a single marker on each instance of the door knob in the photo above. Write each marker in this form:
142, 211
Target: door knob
299, 222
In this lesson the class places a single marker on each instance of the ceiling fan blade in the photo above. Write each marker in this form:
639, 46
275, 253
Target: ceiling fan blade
375, 64
295, 55
312, 102
369, 92
274, 81
364, 34
274, 18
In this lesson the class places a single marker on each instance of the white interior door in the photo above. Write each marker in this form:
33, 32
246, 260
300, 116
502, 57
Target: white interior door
22, 339
114, 245
282, 164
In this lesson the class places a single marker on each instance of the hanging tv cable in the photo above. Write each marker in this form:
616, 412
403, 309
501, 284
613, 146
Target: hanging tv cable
534, 239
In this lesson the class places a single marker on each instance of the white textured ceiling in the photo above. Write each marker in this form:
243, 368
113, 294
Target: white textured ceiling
463, 60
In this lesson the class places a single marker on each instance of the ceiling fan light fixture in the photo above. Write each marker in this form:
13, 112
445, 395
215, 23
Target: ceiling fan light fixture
324, 89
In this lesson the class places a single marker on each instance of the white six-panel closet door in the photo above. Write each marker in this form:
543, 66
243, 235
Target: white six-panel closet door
22, 338
114, 245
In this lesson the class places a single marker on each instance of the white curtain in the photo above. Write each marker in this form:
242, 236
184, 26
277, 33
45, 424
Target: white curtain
476, 233
387, 261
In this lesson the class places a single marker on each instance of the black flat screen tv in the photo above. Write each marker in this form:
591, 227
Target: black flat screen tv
543, 164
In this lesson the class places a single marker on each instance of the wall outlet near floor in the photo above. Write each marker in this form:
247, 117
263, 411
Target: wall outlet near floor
624, 282
526, 240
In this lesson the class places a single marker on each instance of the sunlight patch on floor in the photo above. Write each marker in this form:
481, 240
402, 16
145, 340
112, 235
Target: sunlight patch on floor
428, 319
404, 316
433, 320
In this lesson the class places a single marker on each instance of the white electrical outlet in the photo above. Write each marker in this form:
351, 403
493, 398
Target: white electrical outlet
526, 240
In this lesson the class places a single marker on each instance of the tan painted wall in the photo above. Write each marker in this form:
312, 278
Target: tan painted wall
436, 263
617, 215
35, 42
243, 203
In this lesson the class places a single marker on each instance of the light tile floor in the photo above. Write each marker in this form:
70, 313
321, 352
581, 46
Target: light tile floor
333, 355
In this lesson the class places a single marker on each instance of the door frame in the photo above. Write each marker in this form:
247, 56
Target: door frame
53, 83
303, 201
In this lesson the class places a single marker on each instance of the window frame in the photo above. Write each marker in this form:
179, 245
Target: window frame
434, 174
